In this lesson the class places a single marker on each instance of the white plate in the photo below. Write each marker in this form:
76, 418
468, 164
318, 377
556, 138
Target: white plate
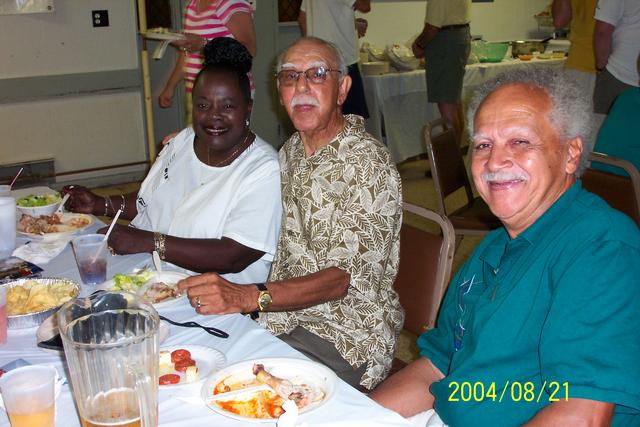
163, 36
295, 370
67, 217
49, 328
168, 277
208, 360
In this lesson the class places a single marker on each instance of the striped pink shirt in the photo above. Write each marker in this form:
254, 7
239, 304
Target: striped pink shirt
211, 23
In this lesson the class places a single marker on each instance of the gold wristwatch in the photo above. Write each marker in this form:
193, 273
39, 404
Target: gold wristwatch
264, 297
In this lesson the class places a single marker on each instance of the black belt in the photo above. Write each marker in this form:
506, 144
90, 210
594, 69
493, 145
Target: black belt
453, 27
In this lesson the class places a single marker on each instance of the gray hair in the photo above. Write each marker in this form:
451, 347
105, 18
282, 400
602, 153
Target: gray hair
571, 111
340, 62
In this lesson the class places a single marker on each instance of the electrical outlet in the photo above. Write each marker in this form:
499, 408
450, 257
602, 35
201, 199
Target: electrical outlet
100, 18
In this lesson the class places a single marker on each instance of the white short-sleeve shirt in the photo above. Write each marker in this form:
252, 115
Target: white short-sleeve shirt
333, 21
625, 47
448, 12
183, 197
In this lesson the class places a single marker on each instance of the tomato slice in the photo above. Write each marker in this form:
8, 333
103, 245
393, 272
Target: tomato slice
169, 379
182, 365
180, 354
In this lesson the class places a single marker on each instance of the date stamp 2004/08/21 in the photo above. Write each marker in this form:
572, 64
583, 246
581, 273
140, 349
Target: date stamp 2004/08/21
514, 391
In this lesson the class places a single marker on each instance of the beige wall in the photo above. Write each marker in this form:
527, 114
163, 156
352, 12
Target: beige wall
62, 90
397, 21
64, 41
67, 91
75, 130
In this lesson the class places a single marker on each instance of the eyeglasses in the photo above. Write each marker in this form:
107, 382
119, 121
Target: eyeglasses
315, 75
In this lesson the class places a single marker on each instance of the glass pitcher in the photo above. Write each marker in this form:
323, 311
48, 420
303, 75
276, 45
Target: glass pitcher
111, 346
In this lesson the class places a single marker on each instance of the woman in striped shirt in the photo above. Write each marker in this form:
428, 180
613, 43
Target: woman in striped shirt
205, 20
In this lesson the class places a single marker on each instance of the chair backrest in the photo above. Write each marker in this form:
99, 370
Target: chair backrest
425, 269
447, 165
622, 193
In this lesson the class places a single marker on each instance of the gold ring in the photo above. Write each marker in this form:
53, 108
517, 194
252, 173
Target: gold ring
197, 301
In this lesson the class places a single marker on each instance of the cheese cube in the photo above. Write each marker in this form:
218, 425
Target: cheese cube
165, 358
166, 367
191, 374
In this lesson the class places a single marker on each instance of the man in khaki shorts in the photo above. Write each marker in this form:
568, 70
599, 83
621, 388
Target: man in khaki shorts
445, 43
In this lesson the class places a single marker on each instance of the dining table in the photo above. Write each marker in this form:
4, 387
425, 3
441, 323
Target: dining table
399, 109
183, 406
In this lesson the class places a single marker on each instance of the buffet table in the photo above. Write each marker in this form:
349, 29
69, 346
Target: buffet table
182, 406
398, 102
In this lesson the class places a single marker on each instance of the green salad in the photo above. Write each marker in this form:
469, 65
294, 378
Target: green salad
32, 201
131, 282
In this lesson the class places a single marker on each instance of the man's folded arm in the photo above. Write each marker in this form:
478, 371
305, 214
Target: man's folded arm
407, 391
574, 412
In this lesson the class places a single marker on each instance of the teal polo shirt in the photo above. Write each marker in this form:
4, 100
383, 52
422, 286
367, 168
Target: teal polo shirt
618, 135
551, 314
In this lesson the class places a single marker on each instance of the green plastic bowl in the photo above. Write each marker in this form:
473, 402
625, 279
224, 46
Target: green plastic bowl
490, 51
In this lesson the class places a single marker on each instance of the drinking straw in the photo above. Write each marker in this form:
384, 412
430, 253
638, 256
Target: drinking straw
106, 236
15, 178
62, 202
113, 223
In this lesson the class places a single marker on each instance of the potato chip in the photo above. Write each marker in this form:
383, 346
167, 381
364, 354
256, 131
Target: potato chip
33, 296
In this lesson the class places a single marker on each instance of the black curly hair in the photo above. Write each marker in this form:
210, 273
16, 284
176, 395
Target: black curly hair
227, 54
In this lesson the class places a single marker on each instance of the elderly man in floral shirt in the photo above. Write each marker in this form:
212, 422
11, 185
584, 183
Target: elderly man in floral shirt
330, 292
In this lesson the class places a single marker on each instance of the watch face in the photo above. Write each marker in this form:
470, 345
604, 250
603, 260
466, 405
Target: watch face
264, 300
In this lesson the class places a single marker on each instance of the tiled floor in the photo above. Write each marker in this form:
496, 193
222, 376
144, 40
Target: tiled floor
417, 189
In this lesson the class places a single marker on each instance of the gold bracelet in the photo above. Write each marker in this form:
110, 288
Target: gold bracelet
159, 244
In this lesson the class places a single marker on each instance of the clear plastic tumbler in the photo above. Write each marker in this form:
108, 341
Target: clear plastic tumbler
29, 396
91, 255
3, 315
7, 226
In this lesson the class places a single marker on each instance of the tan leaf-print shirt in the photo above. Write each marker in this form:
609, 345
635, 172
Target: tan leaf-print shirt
343, 208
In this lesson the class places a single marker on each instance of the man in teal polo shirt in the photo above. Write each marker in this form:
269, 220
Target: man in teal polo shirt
541, 326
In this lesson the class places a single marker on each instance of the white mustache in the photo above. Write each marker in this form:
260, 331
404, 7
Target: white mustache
504, 176
304, 100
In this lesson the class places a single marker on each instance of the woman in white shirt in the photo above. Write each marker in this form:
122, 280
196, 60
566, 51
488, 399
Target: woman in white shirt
211, 201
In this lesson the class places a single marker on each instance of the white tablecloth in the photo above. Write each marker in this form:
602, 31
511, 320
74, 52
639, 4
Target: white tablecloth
398, 102
247, 340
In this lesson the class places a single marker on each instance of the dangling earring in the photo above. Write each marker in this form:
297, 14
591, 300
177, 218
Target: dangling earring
246, 123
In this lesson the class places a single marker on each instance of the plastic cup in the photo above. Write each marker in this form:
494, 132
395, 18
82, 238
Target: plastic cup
3, 315
7, 226
29, 396
5, 190
91, 255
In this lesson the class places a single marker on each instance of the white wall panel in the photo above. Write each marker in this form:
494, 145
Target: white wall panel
65, 42
81, 132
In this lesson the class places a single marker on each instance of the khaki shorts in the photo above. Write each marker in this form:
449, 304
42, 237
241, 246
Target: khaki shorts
606, 91
315, 348
445, 59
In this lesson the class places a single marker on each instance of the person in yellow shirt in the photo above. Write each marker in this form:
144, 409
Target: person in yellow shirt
579, 15
581, 62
